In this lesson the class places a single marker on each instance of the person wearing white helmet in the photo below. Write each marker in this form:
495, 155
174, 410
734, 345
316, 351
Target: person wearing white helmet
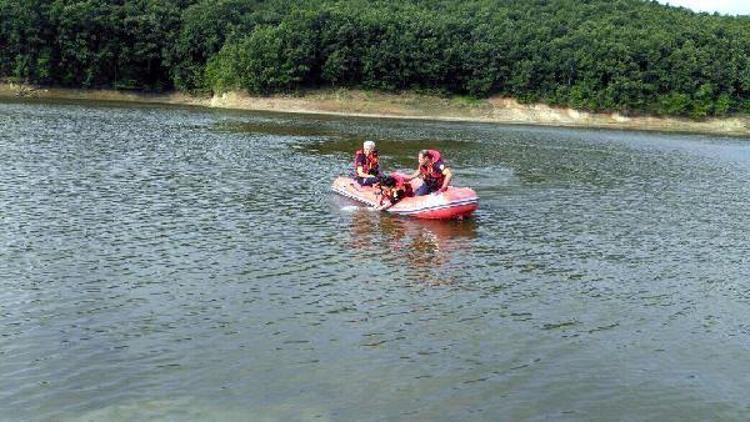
366, 165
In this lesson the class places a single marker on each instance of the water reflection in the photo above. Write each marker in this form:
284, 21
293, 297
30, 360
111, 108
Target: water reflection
425, 249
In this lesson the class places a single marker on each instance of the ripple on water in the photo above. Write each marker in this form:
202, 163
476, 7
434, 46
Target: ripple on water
165, 262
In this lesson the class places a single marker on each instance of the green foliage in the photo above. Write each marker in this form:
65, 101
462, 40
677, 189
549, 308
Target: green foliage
674, 104
722, 104
629, 56
222, 72
205, 27
270, 59
703, 102
91, 43
26, 40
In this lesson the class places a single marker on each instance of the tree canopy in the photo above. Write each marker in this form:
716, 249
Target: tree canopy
630, 56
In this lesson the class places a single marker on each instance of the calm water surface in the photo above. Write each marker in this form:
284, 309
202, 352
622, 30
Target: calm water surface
178, 263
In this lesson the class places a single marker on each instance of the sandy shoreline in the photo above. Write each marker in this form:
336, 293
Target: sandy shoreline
345, 102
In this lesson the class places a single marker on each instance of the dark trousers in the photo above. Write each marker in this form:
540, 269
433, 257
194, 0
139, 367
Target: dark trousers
427, 188
366, 182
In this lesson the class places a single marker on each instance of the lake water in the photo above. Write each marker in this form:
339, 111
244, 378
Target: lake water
180, 263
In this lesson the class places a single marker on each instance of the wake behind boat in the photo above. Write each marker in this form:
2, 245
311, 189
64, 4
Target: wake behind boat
454, 203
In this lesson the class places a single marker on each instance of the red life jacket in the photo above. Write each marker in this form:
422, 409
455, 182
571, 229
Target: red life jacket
369, 163
432, 173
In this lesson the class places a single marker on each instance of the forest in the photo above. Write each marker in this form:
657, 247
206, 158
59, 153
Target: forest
627, 56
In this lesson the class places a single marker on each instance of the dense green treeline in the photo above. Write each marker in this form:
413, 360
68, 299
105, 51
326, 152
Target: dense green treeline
631, 56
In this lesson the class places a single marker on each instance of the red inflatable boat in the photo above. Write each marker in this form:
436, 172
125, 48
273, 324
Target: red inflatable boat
454, 203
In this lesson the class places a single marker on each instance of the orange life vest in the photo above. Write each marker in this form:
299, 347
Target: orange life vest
432, 173
369, 162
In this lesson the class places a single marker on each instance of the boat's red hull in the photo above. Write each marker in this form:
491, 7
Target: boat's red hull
455, 203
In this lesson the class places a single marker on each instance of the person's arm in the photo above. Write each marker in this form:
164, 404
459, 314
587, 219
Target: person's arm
361, 172
385, 200
382, 204
393, 199
448, 176
360, 161
412, 176
385, 206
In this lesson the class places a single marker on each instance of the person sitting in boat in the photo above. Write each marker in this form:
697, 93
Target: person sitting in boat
366, 165
434, 173
394, 188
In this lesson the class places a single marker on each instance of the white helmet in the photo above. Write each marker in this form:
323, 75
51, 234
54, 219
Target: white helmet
369, 145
